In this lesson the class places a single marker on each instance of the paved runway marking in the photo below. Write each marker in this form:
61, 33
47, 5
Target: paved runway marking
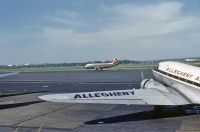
130, 85
45, 86
100, 122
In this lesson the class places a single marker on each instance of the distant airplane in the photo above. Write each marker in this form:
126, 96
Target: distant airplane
177, 84
100, 66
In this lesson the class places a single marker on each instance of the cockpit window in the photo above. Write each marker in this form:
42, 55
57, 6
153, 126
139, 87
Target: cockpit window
157, 67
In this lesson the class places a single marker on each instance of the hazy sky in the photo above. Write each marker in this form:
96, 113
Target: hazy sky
54, 31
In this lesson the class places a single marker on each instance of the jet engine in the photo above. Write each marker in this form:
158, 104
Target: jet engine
150, 83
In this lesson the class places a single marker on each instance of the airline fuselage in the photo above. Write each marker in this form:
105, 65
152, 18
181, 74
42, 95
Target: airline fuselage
100, 66
181, 77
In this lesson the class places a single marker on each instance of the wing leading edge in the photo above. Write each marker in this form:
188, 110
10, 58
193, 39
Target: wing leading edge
132, 96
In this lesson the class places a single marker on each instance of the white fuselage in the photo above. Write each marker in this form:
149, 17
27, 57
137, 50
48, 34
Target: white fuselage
183, 78
100, 65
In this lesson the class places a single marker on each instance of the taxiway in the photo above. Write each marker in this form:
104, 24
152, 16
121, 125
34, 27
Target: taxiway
28, 113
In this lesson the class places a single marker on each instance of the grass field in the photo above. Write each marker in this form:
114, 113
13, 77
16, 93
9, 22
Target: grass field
73, 68
81, 68
42, 69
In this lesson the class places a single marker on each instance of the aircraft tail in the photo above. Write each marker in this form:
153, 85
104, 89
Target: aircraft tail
115, 61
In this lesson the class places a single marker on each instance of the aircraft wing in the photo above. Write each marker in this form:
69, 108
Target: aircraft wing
132, 96
2, 95
7, 74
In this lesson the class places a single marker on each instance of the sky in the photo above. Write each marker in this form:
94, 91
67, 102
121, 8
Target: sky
65, 31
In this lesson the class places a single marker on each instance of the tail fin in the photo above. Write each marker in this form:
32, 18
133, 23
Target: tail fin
115, 61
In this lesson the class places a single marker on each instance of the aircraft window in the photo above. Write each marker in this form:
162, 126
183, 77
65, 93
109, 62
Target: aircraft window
190, 82
179, 78
157, 67
197, 84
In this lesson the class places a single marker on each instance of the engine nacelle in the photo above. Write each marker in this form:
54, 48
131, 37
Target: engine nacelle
150, 83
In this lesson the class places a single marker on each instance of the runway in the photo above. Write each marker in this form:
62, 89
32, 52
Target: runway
28, 113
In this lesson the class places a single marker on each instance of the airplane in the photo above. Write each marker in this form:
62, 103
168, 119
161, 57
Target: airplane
176, 84
100, 66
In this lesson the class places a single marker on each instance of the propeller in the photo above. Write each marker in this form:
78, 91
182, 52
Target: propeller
142, 74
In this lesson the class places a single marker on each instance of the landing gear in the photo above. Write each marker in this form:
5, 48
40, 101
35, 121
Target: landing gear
96, 68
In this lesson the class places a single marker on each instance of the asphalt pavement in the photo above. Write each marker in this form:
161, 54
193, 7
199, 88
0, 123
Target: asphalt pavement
27, 113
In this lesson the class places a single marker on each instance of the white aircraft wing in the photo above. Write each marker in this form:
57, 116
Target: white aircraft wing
7, 74
132, 96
